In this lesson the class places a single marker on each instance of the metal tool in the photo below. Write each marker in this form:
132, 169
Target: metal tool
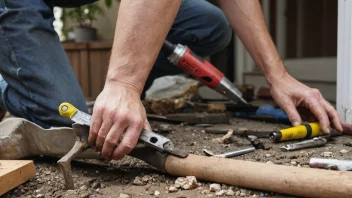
201, 69
315, 142
332, 164
299, 132
149, 138
154, 150
231, 153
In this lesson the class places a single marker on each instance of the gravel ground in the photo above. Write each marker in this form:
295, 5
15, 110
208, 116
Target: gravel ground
130, 177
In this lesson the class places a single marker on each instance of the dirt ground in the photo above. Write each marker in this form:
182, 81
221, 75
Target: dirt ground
116, 178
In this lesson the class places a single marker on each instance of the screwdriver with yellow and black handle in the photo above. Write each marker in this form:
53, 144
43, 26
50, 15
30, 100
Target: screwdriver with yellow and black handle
304, 131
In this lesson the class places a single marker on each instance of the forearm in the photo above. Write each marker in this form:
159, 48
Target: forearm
141, 28
247, 20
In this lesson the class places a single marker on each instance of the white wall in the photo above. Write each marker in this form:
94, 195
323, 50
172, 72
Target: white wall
106, 23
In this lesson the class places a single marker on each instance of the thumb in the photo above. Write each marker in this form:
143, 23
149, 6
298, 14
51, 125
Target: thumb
292, 113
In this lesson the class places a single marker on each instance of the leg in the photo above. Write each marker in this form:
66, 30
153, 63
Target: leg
36, 75
201, 26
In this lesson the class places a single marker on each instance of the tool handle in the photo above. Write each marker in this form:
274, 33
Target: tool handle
299, 132
200, 69
67, 110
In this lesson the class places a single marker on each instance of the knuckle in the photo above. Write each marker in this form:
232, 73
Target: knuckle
102, 136
123, 115
111, 140
127, 146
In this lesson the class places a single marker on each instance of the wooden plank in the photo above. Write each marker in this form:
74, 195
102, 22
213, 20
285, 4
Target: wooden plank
101, 45
74, 45
84, 73
14, 173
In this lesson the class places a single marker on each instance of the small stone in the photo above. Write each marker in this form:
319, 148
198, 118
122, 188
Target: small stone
344, 151
210, 195
223, 187
268, 155
85, 195
122, 195
293, 162
39, 195
97, 172
146, 178
238, 193
83, 188
243, 194
156, 193
102, 185
37, 191
269, 162
138, 181
165, 128
230, 193
326, 154
214, 187
172, 189
191, 183
220, 193
47, 172
96, 185
205, 192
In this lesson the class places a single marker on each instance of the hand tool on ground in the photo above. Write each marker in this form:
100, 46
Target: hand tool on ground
256, 142
231, 153
81, 126
21, 138
315, 142
331, 164
192, 118
201, 69
304, 131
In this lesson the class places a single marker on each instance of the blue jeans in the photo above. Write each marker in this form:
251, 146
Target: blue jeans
36, 76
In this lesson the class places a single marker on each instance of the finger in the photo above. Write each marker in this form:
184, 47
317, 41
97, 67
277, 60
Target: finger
333, 115
319, 111
112, 139
128, 142
95, 126
292, 113
103, 132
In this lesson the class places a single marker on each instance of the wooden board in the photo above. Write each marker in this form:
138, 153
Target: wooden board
14, 173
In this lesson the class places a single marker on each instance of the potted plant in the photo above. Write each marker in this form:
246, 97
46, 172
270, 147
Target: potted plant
84, 17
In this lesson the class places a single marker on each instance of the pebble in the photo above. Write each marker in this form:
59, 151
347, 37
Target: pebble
186, 183
85, 195
214, 187
83, 188
122, 195
220, 193
172, 189
96, 185
165, 128
48, 172
205, 192
293, 162
39, 195
268, 155
156, 193
243, 194
138, 181
146, 178
210, 195
344, 151
238, 193
269, 162
230, 193
326, 154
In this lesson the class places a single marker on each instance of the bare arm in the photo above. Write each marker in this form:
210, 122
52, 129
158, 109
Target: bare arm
141, 28
247, 19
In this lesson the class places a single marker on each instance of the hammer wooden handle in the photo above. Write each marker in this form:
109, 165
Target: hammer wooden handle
297, 181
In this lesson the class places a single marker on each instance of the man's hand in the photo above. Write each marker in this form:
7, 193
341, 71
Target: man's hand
289, 93
118, 111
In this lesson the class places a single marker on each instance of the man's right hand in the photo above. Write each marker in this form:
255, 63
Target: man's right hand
118, 111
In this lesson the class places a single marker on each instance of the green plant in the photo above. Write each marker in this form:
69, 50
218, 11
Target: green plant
85, 15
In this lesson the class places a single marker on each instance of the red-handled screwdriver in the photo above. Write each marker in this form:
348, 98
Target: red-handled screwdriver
201, 69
